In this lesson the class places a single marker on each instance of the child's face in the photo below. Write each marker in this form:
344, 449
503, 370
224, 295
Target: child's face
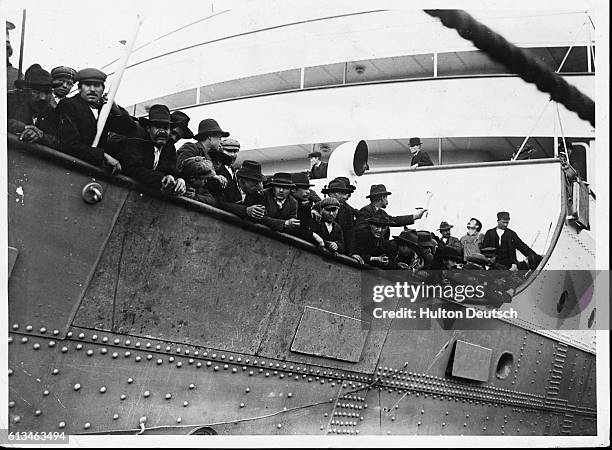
329, 214
196, 182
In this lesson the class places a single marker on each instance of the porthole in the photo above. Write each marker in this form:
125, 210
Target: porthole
504, 365
562, 301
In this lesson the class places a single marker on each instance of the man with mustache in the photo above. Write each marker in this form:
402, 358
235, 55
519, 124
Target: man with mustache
153, 161
372, 244
78, 116
66, 76
29, 114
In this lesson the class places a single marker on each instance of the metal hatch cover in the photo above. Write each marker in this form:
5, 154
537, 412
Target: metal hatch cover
471, 361
330, 335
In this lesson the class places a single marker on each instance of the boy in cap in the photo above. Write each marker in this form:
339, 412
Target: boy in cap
28, 111
78, 117
197, 171
339, 190
66, 76
371, 244
328, 229
318, 169
506, 242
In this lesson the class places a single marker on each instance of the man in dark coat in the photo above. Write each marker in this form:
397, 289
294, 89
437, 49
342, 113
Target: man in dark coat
230, 191
506, 242
419, 157
447, 240
153, 161
208, 137
318, 169
328, 229
378, 202
279, 204
301, 193
78, 116
370, 242
341, 191
30, 116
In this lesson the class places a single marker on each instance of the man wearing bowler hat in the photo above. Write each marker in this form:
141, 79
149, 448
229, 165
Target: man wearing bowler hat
30, 116
318, 169
506, 242
78, 118
371, 244
279, 204
447, 240
153, 161
419, 157
66, 76
378, 202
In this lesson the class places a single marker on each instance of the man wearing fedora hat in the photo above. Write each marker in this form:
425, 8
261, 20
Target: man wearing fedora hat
447, 240
407, 249
78, 118
318, 169
153, 161
371, 244
30, 116
209, 136
506, 242
419, 157
378, 202
180, 129
301, 193
12, 73
279, 204
66, 76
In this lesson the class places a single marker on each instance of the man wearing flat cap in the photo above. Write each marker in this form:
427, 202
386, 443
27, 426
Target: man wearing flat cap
419, 157
318, 169
78, 118
66, 76
229, 148
371, 244
153, 161
28, 111
328, 229
506, 242
378, 202
12, 73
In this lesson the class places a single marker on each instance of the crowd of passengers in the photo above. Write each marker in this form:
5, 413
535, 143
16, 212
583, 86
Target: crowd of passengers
203, 169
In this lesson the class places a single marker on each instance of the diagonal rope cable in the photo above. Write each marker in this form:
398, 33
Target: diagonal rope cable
518, 61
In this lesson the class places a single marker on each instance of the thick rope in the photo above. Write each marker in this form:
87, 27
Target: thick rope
518, 61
